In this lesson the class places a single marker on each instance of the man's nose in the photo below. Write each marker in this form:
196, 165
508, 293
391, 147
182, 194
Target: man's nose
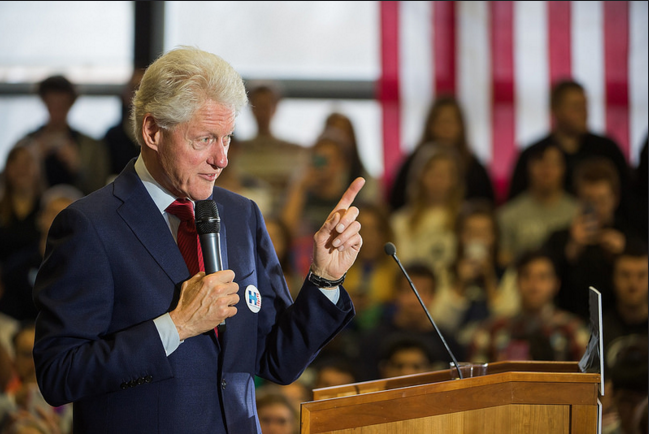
219, 156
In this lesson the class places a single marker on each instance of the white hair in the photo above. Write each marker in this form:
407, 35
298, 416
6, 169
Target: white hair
180, 82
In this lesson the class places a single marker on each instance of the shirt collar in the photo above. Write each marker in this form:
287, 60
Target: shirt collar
160, 196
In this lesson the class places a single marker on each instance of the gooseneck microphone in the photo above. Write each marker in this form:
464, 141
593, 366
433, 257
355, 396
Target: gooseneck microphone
208, 227
391, 250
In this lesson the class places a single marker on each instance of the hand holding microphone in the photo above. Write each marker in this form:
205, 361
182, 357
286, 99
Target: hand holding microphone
207, 298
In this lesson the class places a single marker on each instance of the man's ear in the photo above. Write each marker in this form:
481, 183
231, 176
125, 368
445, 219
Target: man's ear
151, 132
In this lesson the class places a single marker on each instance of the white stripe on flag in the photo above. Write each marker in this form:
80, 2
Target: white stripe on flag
474, 75
416, 71
588, 58
638, 67
531, 71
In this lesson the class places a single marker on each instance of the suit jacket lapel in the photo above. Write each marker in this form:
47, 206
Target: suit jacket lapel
140, 213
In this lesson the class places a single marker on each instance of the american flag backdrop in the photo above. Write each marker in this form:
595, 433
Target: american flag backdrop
500, 58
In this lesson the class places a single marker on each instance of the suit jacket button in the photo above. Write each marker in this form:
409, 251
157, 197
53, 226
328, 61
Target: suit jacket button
148, 379
123, 386
140, 380
223, 384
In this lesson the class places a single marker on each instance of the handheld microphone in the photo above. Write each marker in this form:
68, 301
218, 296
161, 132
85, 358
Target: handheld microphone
391, 250
208, 227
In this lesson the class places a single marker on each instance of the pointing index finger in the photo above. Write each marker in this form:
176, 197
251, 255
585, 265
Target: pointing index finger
350, 194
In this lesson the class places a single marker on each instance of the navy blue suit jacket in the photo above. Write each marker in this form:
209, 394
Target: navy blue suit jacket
111, 267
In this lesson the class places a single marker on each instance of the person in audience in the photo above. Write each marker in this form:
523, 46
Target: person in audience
627, 369
471, 289
280, 235
120, 139
338, 123
267, 157
334, 372
245, 184
570, 133
6, 366
19, 203
540, 331
404, 317
424, 228
19, 272
67, 155
628, 316
370, 281
315, 191
445, 126
405, 356
277, 415
584, 252
297, 392
544, 207
24, 389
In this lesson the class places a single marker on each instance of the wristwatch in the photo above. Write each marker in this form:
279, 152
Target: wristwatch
321, 282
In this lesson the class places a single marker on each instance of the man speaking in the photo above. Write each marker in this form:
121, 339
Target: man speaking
127, 328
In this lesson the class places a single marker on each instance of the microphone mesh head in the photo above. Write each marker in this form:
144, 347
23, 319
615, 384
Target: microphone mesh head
207, 217
390, 249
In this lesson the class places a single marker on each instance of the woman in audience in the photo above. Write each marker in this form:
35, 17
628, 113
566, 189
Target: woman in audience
19, 203
472, 289
315, 193
340, 125
423, 228
445, 126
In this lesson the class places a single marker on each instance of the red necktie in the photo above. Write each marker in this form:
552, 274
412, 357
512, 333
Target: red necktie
188, 242
187, 236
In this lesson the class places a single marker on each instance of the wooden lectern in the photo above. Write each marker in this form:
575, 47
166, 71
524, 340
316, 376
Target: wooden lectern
513, 398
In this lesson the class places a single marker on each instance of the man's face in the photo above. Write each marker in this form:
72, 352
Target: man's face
407, 301
58, 106
537, 284
571, 112
630, 280
601, 196
263, 105
330, 377
546, 173
192, 156
276, 419
407, 361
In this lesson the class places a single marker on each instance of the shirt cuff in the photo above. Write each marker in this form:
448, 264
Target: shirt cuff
332, 294
168, 333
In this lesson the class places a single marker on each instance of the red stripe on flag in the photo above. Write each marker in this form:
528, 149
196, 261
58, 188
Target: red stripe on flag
616, 71
444, 47
559, 41
503, 110
388, 91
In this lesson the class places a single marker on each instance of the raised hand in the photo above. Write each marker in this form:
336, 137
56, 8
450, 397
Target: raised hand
337, 243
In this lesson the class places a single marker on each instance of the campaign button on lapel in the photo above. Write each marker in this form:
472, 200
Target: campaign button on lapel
253, 299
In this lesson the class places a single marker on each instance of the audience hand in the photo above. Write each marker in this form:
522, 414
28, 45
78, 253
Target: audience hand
612, 241
205, 301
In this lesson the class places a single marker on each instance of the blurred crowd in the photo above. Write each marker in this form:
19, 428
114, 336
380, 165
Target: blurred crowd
503, 280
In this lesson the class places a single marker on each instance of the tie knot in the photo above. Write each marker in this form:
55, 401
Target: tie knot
183, 209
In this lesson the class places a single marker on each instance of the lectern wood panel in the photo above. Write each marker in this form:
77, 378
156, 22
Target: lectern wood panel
506, 402
509, 419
